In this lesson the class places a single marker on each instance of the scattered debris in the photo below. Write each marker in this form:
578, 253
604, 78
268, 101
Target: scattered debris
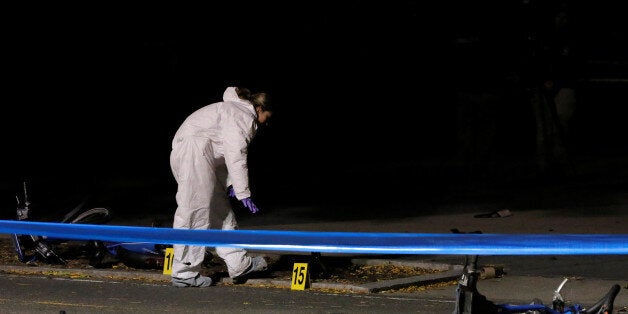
496, 214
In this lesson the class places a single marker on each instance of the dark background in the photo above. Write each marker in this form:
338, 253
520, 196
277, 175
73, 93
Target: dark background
368, 95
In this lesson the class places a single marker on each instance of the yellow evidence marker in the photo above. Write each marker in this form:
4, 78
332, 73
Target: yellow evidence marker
168, 261
300, 277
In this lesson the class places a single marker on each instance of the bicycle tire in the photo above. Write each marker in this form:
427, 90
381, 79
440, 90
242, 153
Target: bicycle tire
97, 215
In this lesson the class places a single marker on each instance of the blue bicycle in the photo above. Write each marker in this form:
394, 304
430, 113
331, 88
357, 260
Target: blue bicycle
470, 300
31, 248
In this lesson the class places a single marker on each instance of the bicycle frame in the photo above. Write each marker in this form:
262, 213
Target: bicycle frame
469, 300
137, 254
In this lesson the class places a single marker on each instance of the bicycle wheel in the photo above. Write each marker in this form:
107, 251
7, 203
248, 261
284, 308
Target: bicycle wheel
98, 215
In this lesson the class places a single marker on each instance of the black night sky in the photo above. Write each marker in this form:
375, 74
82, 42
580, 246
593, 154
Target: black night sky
374, 97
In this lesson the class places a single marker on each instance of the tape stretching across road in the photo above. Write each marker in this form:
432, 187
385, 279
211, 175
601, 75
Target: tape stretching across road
336, 242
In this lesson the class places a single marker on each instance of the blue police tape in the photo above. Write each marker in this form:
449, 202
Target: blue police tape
337, 242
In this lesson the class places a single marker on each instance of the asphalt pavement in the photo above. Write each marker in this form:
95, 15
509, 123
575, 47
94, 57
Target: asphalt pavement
524, 277
591, 207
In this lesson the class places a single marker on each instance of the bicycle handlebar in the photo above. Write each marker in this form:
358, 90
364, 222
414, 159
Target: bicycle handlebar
605, 304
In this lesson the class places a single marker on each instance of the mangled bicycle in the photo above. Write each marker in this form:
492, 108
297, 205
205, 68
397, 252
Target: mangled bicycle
469, 300
31, 248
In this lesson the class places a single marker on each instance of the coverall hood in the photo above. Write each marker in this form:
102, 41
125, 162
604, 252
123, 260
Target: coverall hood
230, 94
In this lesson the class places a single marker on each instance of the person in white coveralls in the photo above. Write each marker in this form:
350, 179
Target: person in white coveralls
209, 163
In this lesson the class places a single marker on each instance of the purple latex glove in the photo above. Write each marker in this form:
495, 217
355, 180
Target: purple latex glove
248, 203
231, 192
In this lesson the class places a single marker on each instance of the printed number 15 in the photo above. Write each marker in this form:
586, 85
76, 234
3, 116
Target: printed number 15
299, 275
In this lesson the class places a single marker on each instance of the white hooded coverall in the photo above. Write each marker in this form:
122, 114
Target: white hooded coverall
209, 153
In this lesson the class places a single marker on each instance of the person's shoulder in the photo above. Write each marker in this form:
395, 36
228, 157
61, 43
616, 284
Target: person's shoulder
239, 108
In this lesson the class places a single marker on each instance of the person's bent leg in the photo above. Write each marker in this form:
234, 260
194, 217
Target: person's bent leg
239, 262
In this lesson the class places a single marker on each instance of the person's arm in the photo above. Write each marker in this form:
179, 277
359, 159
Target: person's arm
237, 131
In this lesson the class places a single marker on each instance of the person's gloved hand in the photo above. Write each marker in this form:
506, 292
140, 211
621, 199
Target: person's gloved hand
248, 203
231, 192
